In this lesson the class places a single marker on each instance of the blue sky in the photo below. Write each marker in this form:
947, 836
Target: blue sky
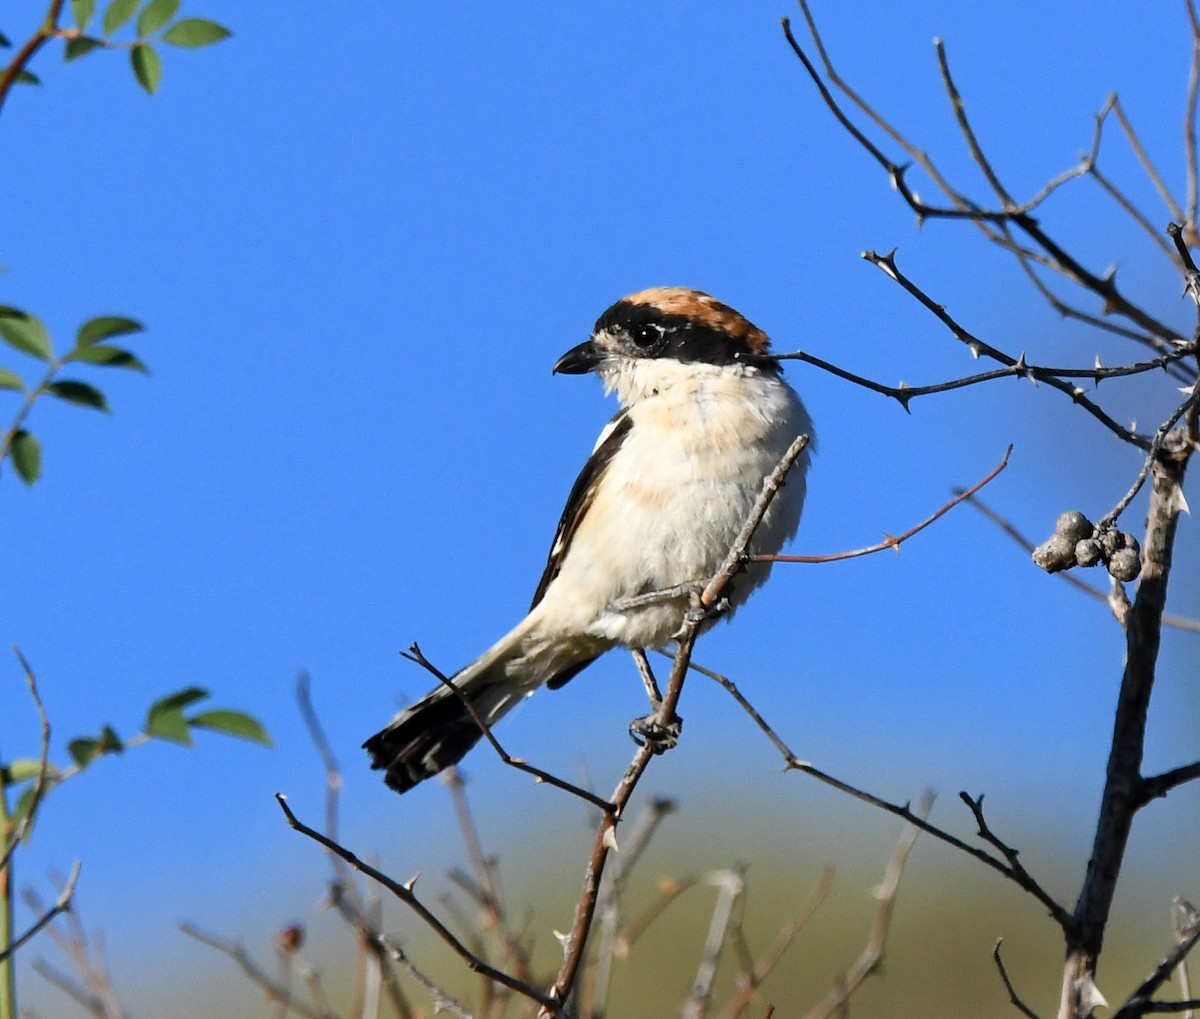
361, 235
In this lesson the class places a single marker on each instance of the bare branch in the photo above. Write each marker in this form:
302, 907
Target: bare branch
890, 541
1140, 1001
414, 654
731, 886
887, 263
1122, 793
1068, 576
902, 811
753, 977
274, 990
964, 125
404, 892
1012, 991
61, 905
885, 894
575, 942
39, 782
484, 870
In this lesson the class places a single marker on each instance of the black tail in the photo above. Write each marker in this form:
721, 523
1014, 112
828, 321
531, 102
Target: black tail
433, 734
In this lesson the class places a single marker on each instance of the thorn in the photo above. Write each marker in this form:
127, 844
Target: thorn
1078, 393
1089, 995
411, 883
1179, 503
975, 349
891, 542
610, 840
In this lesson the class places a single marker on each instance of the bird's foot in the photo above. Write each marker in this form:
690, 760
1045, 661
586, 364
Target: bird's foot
654, 735
698, 614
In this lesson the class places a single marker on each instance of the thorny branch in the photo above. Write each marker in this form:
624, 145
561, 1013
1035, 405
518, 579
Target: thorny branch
893, 542
414, 654
574, 943
404, 892
903, 811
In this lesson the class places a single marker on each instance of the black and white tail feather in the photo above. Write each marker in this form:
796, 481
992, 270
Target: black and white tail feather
705, 416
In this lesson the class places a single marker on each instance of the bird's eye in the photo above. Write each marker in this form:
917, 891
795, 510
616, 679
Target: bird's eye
646, 335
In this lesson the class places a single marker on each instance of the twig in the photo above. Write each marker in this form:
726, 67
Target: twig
351, 911
39, 783
61, 905
575, 942
731, 886
441, 1000
1020, 218
753, 976
1177, 622
885, 894
1140, 1001
1008, 986
239, 955
1189, 122
26, 53
1018, 369
964, 125
607, 907
414, 654
902, 811
404, 892
890, 541
887, 264
485, 879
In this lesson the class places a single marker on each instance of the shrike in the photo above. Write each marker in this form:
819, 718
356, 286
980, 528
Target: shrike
705, 416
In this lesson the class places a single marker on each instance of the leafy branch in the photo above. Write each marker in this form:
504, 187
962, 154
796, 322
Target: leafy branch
156, 23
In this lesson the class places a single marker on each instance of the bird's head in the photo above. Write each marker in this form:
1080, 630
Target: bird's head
649, 339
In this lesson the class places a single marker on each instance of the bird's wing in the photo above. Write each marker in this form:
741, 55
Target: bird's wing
582, 494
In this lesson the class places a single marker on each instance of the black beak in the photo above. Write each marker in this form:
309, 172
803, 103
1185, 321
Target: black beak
579, 360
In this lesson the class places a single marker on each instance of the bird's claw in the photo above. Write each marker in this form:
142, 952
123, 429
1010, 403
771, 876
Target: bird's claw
656, 736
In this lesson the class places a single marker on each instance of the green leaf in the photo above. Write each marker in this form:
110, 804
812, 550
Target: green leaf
81, 46
27, 78
165, 718
118, 12
26, 333
26, 769
105, 356
26, 453
79, 393
84, 750
232, 723
154, 15
4, 40
178, 701
82, 11
11, 380
170, 725
147, 67
195, 32
110, 742
25, 804
104, 326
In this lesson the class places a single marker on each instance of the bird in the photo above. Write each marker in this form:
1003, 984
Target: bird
705, 415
